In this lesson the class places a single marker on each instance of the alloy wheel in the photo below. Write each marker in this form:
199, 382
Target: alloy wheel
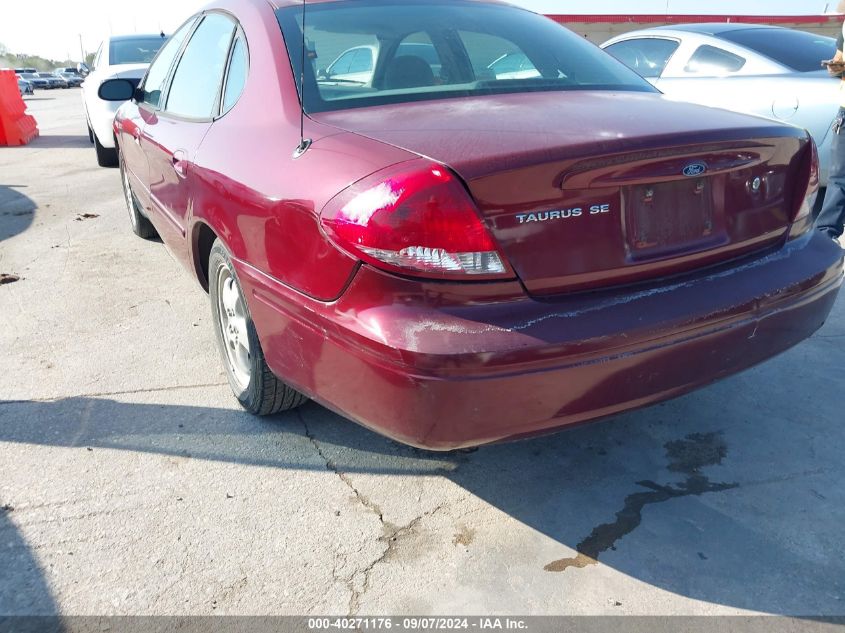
232, 321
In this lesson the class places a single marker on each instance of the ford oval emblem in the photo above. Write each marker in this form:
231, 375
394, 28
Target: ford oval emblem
696, 169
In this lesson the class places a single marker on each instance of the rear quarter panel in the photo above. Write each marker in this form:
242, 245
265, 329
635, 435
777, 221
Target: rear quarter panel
247, 187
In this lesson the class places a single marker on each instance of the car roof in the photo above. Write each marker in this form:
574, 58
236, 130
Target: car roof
714, 28
136, 36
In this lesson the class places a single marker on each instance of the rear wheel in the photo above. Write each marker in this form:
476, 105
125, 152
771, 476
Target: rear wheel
106, 156
253, 383
141, 226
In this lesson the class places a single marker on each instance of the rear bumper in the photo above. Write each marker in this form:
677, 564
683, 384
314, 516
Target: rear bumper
425, 368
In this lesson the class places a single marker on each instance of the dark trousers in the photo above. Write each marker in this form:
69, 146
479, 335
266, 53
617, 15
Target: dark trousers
832, 215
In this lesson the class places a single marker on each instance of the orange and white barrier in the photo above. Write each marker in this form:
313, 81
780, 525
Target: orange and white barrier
16, 126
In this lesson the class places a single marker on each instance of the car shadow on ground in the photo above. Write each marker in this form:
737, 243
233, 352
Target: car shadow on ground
17, 211
731, 495
61, 141
30, 594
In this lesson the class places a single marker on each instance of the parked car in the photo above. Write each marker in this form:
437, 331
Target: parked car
355, 65
25, 87
53, 81
35, 80
125, 57
513, 66
73, 80
459, 261
769, 71
68, 70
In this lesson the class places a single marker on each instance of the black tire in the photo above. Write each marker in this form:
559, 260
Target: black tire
90, 135
141, 226
106, 156
264, 394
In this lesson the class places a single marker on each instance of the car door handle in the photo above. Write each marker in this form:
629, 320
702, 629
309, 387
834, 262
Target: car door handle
180, 163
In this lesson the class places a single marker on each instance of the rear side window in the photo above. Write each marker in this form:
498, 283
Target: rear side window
160, 68
235, 75
646, 56
798, 50
195, 90
709, 60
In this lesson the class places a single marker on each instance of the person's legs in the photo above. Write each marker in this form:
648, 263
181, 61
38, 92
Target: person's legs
832, 216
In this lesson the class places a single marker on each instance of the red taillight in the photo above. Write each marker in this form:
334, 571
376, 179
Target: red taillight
414, 218
808, 200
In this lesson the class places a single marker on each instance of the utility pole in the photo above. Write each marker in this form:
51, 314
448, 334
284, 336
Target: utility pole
81, 50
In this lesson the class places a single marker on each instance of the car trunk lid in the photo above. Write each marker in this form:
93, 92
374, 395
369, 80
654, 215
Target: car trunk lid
591, 189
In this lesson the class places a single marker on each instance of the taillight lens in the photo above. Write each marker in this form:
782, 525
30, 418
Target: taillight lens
415, 218
809, 199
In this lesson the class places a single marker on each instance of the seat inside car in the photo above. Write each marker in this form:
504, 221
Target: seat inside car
408, 71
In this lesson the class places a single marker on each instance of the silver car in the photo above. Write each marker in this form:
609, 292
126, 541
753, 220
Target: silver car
764, 70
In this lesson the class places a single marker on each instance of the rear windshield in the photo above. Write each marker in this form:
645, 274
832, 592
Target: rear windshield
799, 50
137, 50
375, 52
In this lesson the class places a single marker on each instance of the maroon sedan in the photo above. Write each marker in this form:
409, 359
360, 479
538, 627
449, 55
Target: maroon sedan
481, 228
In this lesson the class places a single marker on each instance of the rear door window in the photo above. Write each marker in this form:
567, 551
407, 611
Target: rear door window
160, 68
195, 90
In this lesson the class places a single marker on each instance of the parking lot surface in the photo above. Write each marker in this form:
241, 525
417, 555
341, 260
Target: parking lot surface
131, 483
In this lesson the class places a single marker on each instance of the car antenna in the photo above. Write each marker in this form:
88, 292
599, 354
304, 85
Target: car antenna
304, 143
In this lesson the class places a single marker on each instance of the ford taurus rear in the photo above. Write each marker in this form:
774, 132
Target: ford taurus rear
454, 251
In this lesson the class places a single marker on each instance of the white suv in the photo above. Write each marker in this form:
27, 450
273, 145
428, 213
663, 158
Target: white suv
124, 57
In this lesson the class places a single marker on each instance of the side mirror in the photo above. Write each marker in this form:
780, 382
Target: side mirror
116, 90
323, 73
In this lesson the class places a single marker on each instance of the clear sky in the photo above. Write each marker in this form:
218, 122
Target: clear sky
51, 28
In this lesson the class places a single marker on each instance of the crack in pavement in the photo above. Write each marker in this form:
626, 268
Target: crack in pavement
688, 456
127, 392
358, 582
391, 539
330, 465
